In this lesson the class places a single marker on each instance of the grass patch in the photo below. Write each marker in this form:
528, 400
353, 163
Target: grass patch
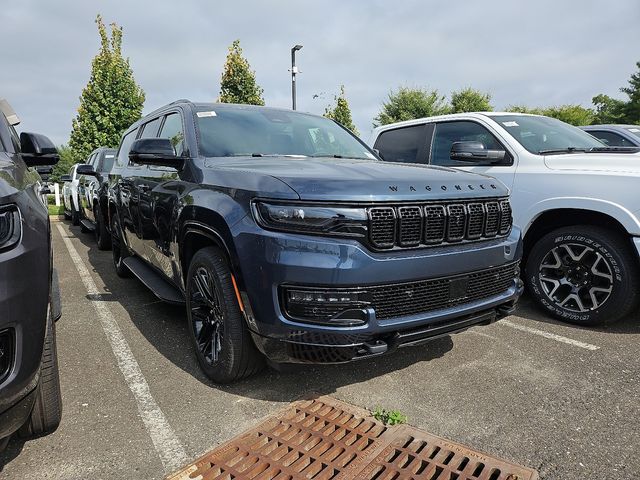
53, 210
389, 417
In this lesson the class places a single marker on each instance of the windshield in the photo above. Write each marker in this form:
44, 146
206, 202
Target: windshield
546, 135
634, 130
236, 131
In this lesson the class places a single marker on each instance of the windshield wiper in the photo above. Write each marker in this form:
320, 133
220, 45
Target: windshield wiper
563, 150
278, 155
615, 149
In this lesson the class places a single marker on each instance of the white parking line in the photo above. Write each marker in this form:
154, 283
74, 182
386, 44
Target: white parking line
549, 335
165, 441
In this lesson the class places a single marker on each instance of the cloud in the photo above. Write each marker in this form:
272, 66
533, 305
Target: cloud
541, 53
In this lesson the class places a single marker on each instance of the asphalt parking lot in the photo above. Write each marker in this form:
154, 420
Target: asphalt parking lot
557, 398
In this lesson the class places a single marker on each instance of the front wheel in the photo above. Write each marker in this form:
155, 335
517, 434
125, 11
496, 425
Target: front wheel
75, 214
222, 343
103, 237
584, 274
47, 410
118, 249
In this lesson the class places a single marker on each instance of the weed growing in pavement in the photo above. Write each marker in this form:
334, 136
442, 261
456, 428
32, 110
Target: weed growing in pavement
389, 417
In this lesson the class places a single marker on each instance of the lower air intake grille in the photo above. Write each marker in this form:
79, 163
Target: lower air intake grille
399, 300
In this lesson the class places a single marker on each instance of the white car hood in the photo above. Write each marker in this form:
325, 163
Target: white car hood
595, 162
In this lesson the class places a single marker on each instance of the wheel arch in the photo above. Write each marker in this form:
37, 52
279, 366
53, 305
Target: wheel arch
552, 219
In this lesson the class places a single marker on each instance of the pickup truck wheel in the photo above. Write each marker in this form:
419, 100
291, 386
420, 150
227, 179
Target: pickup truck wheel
75, 215
67, 213
223, 345
103, 237
584, 274
118, 249
47, 410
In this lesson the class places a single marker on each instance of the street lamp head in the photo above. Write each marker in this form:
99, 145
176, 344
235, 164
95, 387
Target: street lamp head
297, 47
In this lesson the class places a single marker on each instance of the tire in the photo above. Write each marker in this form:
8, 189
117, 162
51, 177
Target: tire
584, 274
47, 410
118, 249
222, 343
103, 237
67, 213
75, 215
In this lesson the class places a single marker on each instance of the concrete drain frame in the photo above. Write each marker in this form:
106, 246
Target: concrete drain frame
324, 438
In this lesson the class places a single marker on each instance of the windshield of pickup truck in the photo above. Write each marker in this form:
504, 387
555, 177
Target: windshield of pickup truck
544, 135
236, 131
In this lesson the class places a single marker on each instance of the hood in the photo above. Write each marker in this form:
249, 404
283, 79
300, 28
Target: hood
595, 162
367, 180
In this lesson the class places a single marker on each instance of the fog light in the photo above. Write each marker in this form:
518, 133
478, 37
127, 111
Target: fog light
6, 353
325, 306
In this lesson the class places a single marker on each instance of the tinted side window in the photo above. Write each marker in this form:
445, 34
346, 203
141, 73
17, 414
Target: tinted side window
611, 139
150, 129
401, 144
125, 146
462, 131
172, 129
106, 164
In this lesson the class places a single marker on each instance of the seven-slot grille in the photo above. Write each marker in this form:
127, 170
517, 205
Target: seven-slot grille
410, 226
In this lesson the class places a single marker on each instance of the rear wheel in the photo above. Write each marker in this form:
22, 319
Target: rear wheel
118, 249
585, 275
47, 410
103, 237
222, 343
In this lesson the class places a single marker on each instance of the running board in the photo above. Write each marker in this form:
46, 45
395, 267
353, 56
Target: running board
88, 225
154, 281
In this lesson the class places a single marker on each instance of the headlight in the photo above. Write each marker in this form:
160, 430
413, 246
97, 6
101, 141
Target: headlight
9, 226
332, 220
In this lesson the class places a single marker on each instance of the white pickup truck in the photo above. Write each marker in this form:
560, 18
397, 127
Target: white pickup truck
576, 200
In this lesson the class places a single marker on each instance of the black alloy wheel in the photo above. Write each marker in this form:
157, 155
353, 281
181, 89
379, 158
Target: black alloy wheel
118, 249
222, 342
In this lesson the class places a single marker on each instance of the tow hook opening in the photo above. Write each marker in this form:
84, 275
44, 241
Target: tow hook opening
375, 347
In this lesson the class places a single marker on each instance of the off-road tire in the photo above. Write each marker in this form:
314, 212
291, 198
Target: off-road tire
617, 258
75, 215
239, 357
47, 410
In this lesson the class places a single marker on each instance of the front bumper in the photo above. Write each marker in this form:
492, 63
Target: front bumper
268, 260
25, 277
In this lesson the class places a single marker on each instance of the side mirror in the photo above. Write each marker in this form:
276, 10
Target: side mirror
155, 151
85, 169
37, 150
475, 151
65, 178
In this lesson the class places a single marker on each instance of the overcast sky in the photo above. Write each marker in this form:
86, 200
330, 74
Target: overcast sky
535, 53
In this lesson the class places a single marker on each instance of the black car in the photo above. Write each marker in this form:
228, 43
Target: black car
92, 194
288, 239
29, 297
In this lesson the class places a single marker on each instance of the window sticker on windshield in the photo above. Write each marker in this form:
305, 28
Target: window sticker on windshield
510, 124
634, 130
109, 156
206, 114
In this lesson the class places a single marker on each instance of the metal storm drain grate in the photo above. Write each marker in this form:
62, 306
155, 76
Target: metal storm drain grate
324, 439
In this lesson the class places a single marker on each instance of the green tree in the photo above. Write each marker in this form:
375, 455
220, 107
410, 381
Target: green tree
238, 83
572, 114
67, 159
470, 100
631, 109
409, 103
110, 102
340, 112
607, 110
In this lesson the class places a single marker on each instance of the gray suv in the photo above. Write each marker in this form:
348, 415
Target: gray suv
30, 399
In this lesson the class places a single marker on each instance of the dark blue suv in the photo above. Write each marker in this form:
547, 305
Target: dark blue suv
287, 238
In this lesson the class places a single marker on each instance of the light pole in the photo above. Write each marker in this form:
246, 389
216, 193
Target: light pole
294, 72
